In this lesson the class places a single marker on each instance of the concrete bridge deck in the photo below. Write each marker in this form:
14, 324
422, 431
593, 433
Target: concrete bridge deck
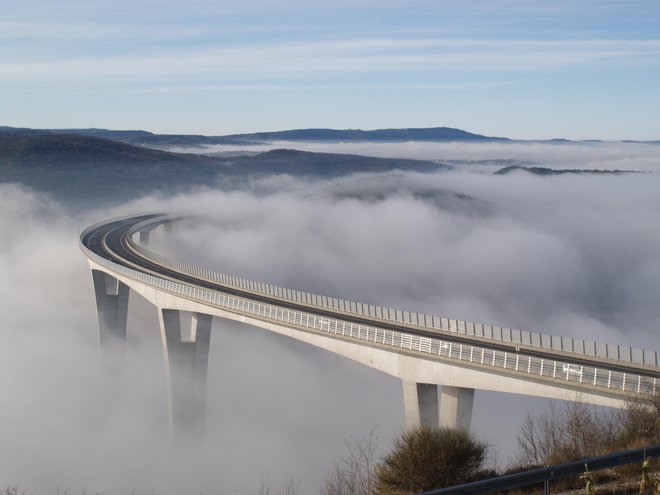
430, 354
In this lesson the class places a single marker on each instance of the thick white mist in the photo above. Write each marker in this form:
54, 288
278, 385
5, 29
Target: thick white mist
572, 255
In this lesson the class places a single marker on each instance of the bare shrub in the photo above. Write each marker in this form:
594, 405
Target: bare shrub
573, 432
640, 423
288, 487
355, 475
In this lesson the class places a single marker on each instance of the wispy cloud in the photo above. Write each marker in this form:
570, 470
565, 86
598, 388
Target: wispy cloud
229, 87
255, 60
38, 32
468, 62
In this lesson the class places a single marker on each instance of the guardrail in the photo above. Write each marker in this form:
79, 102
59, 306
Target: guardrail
518, 337
624, 385
546, 474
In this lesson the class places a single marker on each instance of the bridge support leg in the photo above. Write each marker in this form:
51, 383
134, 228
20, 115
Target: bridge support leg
456, 407
144, 238
186, 362
112, 308
420, 404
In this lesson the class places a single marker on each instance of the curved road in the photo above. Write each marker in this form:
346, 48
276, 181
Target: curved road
111, 241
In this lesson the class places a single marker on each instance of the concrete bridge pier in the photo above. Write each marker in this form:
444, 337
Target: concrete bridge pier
186, 363
112, 308
144, 233
456, 407
143, 237
420, 404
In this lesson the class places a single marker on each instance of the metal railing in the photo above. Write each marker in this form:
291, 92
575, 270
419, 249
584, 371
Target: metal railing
546, 474
587, 378
586, 348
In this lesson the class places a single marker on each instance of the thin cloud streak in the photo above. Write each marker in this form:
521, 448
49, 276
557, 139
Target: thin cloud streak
354, 56
459, 86
34, 33
596, 60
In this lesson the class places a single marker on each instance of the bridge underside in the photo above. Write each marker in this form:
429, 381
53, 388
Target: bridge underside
434, 392
422, 407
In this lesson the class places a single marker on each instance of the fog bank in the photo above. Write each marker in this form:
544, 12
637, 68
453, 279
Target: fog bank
583, 155
569, 255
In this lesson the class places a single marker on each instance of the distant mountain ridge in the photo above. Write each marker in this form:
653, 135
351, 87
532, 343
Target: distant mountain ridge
407, 134
53, 148
82, 170
145, 138
428, 134
135, 137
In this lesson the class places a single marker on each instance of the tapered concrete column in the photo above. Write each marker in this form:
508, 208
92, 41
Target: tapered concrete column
112, 308
186, 363
420, 404
144, 238
456, 407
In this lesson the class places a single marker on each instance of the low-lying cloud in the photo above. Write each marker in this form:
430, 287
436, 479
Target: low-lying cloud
515, 251
569, 255
575, 155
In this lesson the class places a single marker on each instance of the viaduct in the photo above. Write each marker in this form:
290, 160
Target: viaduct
440, 361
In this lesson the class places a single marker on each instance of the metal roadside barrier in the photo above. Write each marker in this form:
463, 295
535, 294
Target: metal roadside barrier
545, 475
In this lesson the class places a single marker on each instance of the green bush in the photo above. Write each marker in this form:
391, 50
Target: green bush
427, 458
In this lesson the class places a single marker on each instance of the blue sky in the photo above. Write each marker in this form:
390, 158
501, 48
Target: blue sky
587, 69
